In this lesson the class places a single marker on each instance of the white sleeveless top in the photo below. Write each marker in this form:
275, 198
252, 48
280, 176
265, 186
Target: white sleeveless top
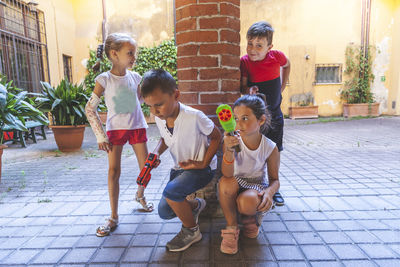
123, 106
253, 163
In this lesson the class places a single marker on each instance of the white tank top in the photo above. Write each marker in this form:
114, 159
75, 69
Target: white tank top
253, 163
123, 106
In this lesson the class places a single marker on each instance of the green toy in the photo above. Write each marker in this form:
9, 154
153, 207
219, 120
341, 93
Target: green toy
227, 121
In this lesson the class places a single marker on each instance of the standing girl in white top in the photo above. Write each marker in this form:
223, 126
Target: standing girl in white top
250, 177
125, 119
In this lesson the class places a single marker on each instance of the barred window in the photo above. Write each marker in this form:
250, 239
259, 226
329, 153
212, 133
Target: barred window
328, 73
67, 60
23, 48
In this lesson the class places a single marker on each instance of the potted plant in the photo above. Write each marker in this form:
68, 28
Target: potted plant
303, 106
14, 110
359, 100
66, 104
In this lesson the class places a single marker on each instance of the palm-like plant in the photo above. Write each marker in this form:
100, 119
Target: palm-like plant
14, 110
66, 103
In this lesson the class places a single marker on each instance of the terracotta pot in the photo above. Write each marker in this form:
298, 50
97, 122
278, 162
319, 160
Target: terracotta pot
1, 156
103, 116
364, 109
68, 138
150, 119
307, 112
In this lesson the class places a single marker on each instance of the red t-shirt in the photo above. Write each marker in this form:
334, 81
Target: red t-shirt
265, 70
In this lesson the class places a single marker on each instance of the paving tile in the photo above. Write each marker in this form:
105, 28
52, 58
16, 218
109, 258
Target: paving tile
149, 228
388, 263
280, 238
108, 255
387, 236
377, 251
362, 237
323, 225
298, 226
348, 251
325, 264
13, 242
307, 238
137, 254
287, 253
358, 263
50, 256
317, 252
22, 256
79, 255
38, 242
196, 253
117, 241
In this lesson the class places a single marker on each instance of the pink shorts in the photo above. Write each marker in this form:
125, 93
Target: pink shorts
120, 137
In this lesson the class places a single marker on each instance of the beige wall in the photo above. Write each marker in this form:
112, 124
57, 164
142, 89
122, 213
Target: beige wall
329, 26
74, 26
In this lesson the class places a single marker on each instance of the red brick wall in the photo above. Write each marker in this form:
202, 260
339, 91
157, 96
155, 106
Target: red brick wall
207, 36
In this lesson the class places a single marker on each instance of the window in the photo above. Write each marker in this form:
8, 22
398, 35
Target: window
23, 48
67, 67
328, 73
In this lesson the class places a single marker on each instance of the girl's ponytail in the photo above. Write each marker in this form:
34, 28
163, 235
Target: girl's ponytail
99, 55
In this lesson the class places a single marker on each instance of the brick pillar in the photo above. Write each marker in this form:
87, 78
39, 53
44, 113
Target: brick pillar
208, 40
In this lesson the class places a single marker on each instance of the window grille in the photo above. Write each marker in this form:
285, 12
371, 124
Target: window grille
328, 73
23, 48
67, 60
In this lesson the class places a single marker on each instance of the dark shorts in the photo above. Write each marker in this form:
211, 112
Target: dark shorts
181, 184
120, 137
275, 132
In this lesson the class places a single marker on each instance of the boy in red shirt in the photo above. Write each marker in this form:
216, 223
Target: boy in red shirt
261, 72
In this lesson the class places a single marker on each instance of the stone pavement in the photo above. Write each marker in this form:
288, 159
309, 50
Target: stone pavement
340, 180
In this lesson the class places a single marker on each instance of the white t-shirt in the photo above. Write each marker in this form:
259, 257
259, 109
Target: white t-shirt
123, 106
253, 163
189, 139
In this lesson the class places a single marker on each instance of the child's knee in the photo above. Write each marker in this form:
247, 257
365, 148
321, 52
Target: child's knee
227, 186
113, 172
247, 203
164, 210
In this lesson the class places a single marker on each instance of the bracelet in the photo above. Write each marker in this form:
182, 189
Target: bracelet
227, 162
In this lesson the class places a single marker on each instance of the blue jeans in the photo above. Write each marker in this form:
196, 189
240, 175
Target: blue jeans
181, 184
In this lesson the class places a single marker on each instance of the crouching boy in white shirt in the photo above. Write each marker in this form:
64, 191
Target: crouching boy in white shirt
185, 131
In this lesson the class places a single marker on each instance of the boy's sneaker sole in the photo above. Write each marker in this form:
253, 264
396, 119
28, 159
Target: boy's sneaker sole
197, 239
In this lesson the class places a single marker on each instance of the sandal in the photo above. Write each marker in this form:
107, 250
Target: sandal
106, 229
149, 207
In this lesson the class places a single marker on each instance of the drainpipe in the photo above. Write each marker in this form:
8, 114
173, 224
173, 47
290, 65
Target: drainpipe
103, 30
368, 22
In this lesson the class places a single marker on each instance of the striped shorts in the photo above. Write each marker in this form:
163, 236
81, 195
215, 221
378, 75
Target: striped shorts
258, 183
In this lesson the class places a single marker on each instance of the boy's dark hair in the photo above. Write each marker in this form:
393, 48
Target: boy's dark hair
261, 29
257, 104
157, 78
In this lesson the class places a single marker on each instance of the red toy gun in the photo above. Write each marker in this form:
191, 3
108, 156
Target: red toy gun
145, 176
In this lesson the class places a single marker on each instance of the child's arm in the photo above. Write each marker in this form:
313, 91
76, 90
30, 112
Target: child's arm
244, 89
215, 139
94, 119
227, 166
161, 147
285, 75
273, 163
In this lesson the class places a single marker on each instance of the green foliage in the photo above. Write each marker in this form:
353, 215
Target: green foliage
162, 56
145, 109
15, 109
357, 89
302, 100
105, 65
66, 102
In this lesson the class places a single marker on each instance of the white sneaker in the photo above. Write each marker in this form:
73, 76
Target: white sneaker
201, 205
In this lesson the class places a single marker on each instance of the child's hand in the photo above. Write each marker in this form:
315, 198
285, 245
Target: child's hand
231, 141
266, 201
107, 147
253, 90
191, 164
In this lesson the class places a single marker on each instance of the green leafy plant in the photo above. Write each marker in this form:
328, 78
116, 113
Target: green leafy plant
66, 102
357, 89
145, 109
14, 110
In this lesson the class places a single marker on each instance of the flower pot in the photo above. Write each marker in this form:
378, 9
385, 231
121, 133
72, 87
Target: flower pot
1, 156
364, 109
68, 137
306, 112
103, 116
150, 119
